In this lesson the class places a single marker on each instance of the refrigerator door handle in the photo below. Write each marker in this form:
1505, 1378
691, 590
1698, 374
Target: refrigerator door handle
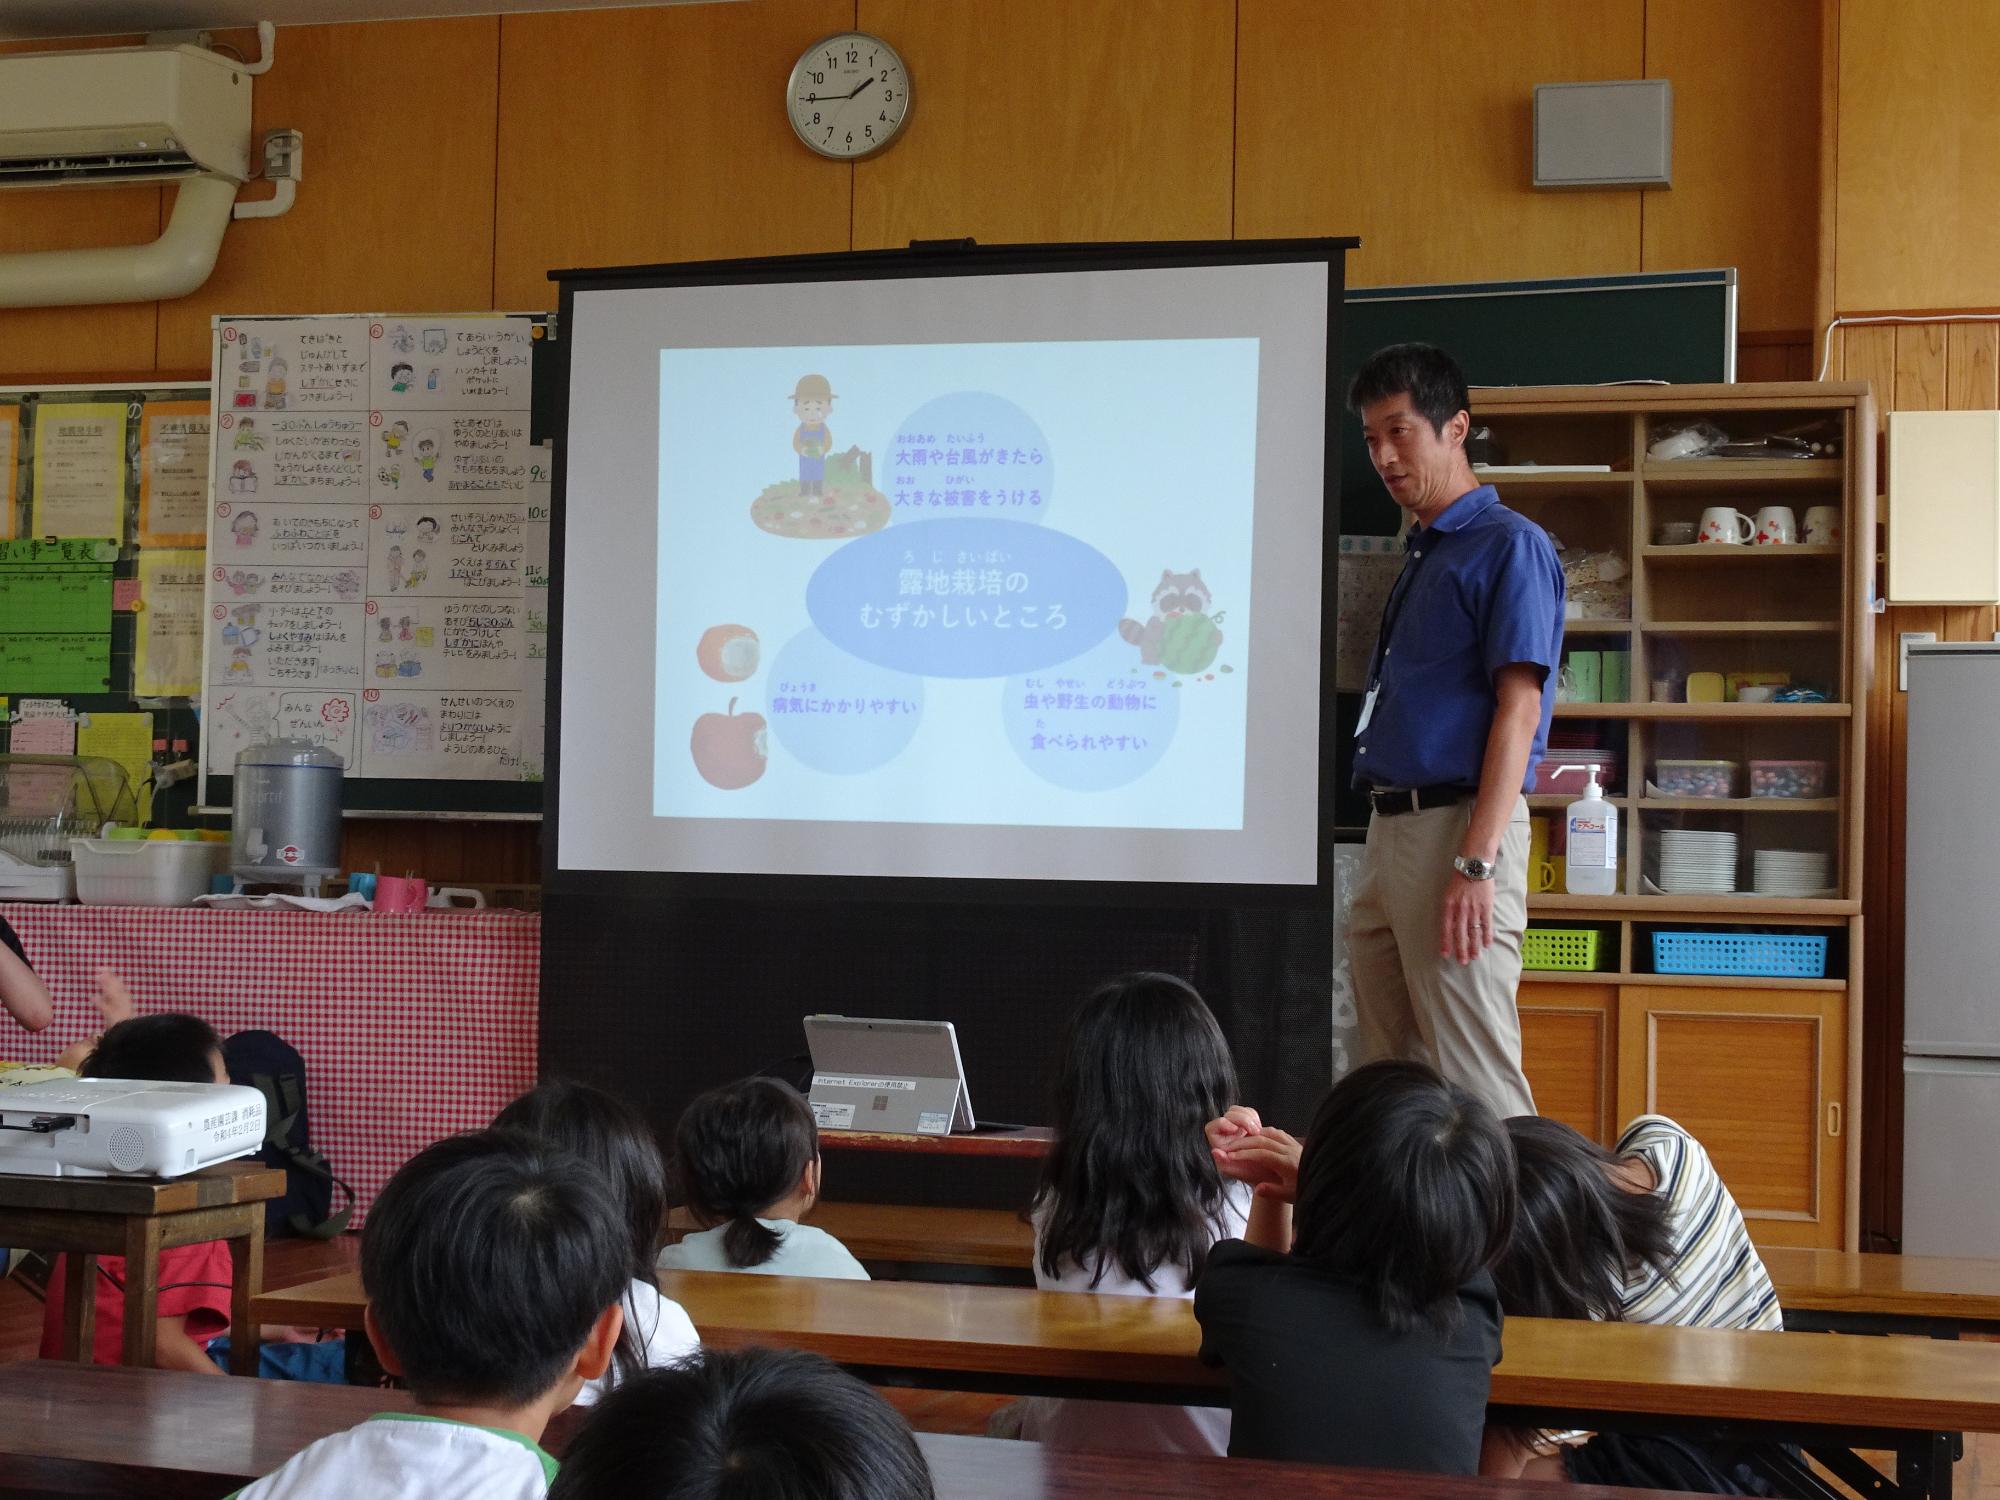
1833, 1118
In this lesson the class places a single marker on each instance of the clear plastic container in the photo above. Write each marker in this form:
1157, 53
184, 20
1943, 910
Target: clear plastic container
1695, 778
144, 872
1788, 778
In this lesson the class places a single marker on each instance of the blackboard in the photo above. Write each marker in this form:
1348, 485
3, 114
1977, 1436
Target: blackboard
1676, 326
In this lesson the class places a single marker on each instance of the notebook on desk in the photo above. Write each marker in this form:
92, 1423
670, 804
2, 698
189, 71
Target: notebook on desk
900, 1077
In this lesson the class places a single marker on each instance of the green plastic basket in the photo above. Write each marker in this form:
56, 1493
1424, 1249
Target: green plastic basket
1562, 948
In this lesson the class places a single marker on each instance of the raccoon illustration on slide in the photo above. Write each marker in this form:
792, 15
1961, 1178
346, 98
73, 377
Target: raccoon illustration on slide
1181, 635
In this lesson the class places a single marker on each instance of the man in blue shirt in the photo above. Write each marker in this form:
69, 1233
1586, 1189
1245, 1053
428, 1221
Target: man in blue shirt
1461, 688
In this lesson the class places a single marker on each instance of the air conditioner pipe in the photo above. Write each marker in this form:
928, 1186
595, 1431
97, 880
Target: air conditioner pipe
173, 265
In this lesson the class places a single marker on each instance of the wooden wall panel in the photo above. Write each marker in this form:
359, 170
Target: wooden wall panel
635, 136
77, 343
396, 210
1049, 120
1918, 154
1912, 367
1411, 127
1746, 149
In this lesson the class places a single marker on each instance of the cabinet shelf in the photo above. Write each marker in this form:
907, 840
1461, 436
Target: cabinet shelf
1746, 470
1718, 712
1695, 552
1748, 906
1597, 627
1690, 981
1740, 804
1557, 801
1741, 627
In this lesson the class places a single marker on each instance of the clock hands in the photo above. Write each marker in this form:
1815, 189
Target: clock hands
838, 98
862, 85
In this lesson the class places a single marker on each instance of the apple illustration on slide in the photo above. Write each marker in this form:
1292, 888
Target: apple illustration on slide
729, 749
728, 653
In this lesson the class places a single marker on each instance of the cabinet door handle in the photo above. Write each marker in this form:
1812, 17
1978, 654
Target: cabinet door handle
1833, 1118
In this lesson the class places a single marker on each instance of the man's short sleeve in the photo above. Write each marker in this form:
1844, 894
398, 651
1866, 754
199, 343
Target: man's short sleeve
1526, 605
195, 1285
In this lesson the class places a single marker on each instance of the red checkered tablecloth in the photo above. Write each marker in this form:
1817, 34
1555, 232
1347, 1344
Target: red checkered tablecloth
412, 1025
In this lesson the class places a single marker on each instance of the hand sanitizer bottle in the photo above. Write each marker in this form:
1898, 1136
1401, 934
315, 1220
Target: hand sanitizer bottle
1591, 864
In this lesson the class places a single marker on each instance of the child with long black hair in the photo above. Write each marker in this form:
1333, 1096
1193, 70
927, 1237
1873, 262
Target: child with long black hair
1130, 1198
748, 1158
614, 1138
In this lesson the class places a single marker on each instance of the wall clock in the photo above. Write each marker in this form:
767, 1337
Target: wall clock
849, 96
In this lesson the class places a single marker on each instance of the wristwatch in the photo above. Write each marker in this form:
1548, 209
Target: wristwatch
1472, 868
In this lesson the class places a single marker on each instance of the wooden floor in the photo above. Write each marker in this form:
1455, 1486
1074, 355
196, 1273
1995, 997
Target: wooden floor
291, 1262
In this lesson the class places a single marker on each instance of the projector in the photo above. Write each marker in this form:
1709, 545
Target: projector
116, 1127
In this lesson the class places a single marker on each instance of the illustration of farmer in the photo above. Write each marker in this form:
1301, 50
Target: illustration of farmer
812, 399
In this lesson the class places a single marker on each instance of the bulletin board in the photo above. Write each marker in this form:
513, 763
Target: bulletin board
378, 553
103, 490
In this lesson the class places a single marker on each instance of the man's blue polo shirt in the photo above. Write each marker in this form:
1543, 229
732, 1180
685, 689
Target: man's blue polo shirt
1480, 589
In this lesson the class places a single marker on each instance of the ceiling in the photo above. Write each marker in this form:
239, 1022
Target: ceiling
20, 19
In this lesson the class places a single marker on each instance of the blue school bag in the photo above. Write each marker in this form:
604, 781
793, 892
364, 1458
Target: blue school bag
266, 1062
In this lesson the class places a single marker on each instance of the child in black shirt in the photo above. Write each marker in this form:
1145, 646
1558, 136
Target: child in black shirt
1370, 1339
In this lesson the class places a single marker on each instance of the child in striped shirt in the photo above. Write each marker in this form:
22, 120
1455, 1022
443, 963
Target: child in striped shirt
1644, 1233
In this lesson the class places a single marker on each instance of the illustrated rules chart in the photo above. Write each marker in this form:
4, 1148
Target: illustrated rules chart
379, 545
378, 538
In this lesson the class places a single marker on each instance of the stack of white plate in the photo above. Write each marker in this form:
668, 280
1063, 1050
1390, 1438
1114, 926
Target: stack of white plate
1695, 862
1790, 872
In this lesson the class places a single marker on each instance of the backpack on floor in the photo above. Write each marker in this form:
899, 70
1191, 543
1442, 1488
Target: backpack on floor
266, 1062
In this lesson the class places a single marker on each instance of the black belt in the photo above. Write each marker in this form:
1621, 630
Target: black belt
1388, 804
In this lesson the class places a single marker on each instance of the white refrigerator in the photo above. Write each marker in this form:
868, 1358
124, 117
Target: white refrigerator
1951, 963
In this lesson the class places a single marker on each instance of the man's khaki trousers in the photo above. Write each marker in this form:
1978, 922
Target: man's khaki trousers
1412, 1000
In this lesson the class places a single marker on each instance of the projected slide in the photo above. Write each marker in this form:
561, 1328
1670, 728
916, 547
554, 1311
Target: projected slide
1000, 575
990, 583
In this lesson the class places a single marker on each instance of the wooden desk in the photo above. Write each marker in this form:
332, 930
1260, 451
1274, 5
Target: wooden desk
85, 1217
1831, 1394
1820, 1290
171, 1436
1031, 1142
915, 1236
1928, 1294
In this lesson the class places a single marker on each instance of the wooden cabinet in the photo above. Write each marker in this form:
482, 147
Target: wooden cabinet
1740, 815
1758, 1074
1569, 1049
1760, 1077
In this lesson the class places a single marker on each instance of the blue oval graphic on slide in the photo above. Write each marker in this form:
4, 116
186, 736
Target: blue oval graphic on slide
968, 597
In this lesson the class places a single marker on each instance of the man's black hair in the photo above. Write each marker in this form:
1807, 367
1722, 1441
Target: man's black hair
168, 1047
486, 1260
1426, 374
1406, 1186
749, 1424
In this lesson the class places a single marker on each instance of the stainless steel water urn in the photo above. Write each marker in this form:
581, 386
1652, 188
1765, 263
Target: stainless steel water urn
286, 829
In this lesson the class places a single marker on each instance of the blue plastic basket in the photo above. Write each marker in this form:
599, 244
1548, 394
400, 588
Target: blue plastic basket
1765, 955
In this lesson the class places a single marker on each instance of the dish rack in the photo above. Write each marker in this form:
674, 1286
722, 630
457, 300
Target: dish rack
45, 801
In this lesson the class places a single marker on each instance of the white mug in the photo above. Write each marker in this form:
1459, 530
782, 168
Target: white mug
1721, 523
1776, 526
1823, 526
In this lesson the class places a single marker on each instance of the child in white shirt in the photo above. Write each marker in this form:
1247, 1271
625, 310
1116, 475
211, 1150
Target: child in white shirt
1131, 1199
748, 1155
496, 1270
613, 1137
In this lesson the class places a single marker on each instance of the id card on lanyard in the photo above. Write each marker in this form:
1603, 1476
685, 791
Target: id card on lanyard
1392, 608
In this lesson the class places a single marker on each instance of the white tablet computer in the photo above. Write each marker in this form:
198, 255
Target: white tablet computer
903, 1077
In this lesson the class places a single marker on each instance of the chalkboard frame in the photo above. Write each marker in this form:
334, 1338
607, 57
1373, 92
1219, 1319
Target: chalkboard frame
953, 258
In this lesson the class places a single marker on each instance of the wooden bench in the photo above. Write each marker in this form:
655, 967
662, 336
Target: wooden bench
1831, 1395
1820, 1290
138, 1217
67, 1430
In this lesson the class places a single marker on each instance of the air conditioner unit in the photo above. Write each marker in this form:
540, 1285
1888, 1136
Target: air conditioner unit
122, 114
168, 114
